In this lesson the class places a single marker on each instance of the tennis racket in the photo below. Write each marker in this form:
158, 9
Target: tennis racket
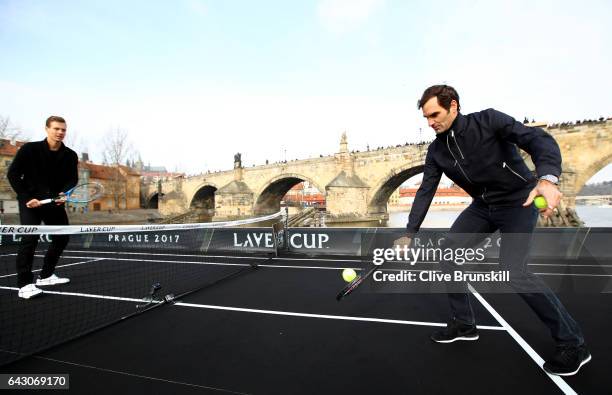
82, 193
350, 287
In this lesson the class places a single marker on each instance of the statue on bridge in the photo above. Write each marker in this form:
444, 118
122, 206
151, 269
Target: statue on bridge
343, 142
237, 160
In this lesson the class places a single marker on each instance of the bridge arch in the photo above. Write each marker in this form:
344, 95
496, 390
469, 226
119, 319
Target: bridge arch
269, 196
203, 198
383, 189
591, 170
152, 200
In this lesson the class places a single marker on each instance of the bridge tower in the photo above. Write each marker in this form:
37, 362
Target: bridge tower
346, 195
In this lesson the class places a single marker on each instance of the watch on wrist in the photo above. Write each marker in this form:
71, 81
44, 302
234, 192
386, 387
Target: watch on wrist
550, 178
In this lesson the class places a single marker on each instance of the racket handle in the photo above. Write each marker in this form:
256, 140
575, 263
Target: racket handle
45, 201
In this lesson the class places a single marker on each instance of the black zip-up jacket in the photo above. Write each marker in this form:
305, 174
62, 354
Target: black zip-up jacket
38, 173
479, 153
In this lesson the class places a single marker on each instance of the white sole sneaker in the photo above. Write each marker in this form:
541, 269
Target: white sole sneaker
468, 338
29, 291
575, 371
51, 280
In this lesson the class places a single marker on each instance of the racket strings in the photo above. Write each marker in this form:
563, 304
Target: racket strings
86, 192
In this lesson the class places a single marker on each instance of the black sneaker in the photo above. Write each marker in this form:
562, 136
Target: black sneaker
567, 360
455, 331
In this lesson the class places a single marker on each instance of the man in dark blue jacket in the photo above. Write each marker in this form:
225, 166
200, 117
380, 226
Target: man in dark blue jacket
479, 153
41, 170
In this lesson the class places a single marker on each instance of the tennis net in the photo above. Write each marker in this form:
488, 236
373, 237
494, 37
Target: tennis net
118, 271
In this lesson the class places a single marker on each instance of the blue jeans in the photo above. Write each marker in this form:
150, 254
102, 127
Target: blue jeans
516, 225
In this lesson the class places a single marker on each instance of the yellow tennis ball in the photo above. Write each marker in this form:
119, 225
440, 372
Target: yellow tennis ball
540, 202
349, 275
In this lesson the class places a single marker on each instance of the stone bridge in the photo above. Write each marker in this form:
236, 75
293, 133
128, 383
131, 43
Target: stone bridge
357, 185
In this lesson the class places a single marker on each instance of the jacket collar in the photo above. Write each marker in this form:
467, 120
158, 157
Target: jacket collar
47, 149
458, 126
443, 134
459, 123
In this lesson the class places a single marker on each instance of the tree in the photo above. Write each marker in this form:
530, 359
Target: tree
75, 141
7, 131
116, 150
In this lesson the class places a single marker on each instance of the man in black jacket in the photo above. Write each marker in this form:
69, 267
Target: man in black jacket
479, 153
41, 170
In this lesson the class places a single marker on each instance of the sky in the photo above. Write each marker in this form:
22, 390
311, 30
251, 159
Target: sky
193, 82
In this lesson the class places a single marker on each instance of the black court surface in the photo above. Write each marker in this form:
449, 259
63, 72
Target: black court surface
278, 329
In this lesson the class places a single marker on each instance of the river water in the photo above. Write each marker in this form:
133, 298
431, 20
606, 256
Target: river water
593, 216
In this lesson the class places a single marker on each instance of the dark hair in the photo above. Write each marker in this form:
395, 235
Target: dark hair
444, 93
54, 118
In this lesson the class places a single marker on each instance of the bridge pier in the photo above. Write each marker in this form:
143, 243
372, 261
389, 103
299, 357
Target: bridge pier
172, 200
234, 200
564, 216
346, 198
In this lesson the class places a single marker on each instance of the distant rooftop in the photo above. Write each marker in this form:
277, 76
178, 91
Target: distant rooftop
10, 148
155, 169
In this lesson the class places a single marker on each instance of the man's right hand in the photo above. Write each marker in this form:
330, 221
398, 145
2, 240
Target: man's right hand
403, 241
33, 203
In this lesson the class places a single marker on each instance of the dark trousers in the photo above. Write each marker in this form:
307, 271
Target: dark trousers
516, 225
50, 214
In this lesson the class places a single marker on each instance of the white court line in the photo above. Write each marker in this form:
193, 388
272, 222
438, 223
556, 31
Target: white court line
158, 261
94, 296
208, 263
574, 274
299, 267
219, 256
310, 267
563, 386
271, 312
191, 262
68, 264
326, 316
408, 270
473, 271
557, 264
357, 259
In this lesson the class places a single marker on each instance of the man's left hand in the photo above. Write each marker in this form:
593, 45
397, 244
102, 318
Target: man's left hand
550, 192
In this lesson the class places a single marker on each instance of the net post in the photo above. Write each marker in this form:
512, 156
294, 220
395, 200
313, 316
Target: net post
286, 230
275, 239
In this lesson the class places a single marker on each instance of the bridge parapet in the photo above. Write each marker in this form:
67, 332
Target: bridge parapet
358, 184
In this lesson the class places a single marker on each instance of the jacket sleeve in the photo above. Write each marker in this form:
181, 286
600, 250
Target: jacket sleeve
72, 173
425, 194
541, 146
16, 172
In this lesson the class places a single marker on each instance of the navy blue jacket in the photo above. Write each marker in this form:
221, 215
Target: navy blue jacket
36, 174
479, 153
